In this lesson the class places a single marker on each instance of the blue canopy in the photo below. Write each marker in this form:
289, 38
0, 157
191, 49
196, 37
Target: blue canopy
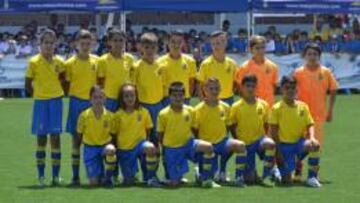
307, 6
187, 5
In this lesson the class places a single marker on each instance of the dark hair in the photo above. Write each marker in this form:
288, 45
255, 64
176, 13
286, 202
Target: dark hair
148, 38
94, 88
47, 32
121, 101
250, 78
313, 46
177, 33
287, 80
256, 39
217, 33
111, 33
176, 87
84, 34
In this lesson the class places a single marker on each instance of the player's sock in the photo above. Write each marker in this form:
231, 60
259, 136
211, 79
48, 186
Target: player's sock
151, 166
299, 167
313, 162
56, 162
207, 168
268, 162
40, 161
240, 161
110, 165
75, 163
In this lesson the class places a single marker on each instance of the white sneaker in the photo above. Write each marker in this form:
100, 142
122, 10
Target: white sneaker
153, 182
313, 182
184, 181
222, 177
210, 184
276, 175
239, 182
41, 182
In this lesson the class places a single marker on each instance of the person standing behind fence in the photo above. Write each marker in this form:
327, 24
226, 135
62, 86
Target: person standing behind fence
44, 77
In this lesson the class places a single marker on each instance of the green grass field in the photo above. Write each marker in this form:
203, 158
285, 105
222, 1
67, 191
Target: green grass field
340, 167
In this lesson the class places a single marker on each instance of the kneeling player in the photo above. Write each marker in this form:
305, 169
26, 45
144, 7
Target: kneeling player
249, 117
131, 129
94, 127
289, 120
174, 130
212, 124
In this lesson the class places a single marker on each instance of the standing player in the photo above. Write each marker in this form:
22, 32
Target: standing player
314, 81
174, 128
249, 118
148, 79
289, 120
223, 68
265, 70
93, 128
212, 123
81, 70
131, 129
114, 68
177, 67
43, 79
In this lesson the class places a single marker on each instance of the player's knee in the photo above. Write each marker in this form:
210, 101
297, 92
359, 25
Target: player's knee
205, 147
268, 143
149, 149
110, 150
239, 146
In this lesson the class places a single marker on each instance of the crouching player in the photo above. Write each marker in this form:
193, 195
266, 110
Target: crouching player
289, 120
211, 124
93, 128
131, 129
175, 135
249, 117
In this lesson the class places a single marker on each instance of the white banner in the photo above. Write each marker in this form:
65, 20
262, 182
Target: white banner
345, 67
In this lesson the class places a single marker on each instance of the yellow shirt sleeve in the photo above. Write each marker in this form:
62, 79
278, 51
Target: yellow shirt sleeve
309, 119
227, 116
233, 114
161, 123
274, 117
192, 67
101, 72
201, 76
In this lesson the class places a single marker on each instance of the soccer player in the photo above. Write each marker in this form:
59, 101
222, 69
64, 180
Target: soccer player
249, 118
288, 121
131, 130
43, 80
81, 71
175, 134
114, 68
177, 67
265, 70
223, 68
148, 79
93, 129
314, 81
212, 123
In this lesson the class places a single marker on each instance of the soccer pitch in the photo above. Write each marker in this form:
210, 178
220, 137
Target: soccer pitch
340, 168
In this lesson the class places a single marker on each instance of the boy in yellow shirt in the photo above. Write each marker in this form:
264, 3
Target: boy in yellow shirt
93, 129
81, 70
43, 80
288, 121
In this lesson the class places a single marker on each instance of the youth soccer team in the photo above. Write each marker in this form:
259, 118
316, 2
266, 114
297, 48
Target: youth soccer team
131, 114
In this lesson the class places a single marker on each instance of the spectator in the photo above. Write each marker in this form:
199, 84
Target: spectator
270, 43
23, 48
319, 31
240, 43
280, 47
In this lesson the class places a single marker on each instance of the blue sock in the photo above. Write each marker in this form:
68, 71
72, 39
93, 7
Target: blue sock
56, 162
313, 162
240, 161
75, 163
40, 161
223, 162
268, 162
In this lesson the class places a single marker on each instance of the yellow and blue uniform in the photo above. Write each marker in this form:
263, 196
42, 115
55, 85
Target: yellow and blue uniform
130, 130
179, 146
48, 93
179, 70
293, 122
95, 135
48, 106
250, 121
149, 83
224, 72
81, 74
115, 71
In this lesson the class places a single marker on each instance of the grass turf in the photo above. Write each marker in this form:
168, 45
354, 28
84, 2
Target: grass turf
340, 166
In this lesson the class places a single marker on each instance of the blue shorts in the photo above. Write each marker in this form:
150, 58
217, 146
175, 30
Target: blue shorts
252, 150
154, 110
290, 153
176, 159
76, 106
111, 105
166, 101
127, 160
47, 116
94, 161
229, 100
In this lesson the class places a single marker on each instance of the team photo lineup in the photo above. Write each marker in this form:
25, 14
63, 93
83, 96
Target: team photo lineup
131, 116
